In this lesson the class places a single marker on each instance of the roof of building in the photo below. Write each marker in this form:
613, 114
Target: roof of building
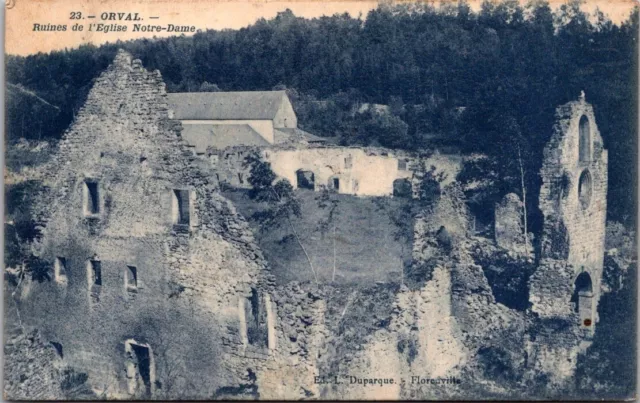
295, 135
245, 105
202, 136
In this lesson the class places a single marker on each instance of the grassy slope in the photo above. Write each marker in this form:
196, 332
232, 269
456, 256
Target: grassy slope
366, 248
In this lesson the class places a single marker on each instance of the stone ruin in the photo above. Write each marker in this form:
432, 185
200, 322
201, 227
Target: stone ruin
160, 289
573, 201
566, 287
509, 225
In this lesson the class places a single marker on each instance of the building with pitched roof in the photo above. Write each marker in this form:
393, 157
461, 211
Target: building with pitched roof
159, 288
225, 119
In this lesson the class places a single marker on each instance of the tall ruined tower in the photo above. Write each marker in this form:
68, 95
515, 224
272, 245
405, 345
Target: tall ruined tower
573, 201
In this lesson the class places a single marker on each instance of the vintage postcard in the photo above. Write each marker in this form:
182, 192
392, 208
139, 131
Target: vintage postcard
320, 200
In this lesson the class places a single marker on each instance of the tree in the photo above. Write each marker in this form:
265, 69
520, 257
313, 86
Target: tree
279, 198
454, 69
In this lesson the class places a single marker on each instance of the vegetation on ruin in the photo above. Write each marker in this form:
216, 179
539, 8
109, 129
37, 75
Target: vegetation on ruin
484, 81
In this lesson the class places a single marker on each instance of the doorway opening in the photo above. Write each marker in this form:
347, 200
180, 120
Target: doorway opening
140, 369
583, 299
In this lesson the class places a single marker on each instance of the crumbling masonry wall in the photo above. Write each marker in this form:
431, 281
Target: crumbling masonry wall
573, 203
199, 270
565, 288
360, 171
189, 276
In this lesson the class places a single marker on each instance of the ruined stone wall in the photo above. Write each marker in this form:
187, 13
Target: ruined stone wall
194, 279
551, 288
360, 171
412, 334
31, 368
230, 165
190, 276
509, 224
300, 333
552, 348
573, 203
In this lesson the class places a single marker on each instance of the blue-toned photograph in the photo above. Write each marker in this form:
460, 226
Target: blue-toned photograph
285, 200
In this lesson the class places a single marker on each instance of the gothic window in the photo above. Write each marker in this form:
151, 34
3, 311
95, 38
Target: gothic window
584, 189
584, 141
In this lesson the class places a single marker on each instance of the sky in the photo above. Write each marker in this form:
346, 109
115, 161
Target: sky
29, 22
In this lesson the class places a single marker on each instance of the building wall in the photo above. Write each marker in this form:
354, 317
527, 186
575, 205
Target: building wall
285, 117
263, 127
374, 169
194, 280
423, 339
366, 174
572, 232
190, 277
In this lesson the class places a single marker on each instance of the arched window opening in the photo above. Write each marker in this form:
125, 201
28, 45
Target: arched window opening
582, 299
584, 142
306, 179
402, 188
584, 189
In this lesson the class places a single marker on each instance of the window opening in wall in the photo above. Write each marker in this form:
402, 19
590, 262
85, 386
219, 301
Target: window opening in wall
305, 179
95, 273
131, 278
240, 178
181, 207
348, 162
60, 270
256, 319
402, 164
91, 197
356, 185
139, 369
584, 189
58, 347
584, 141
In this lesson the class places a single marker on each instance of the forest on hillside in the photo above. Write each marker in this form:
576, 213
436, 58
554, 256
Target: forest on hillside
485, 82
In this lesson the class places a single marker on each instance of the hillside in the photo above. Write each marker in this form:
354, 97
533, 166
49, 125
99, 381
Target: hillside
359, 236
416, 61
